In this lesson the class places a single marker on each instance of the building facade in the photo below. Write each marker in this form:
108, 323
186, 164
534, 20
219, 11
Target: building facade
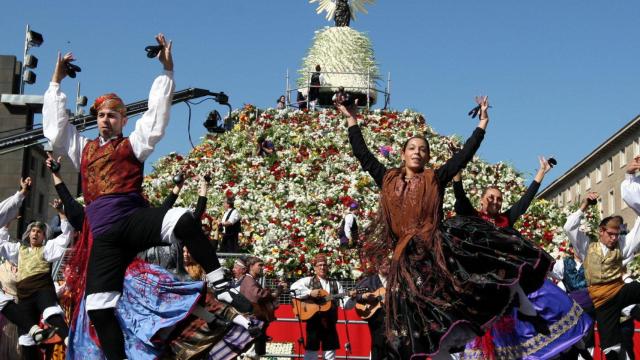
601, 171
28, 161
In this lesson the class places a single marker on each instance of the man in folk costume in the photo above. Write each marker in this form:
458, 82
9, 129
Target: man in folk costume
263, 299
8, 308
321, 327
119, 222
36, 292
603, 261
379, 344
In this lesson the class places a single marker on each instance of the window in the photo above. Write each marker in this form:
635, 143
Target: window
587, 182
568, 195
559, 200
40, 203
600, 210
611, 202
636, 147
32, 164
598, 174
609, 166
623, 204
623, 157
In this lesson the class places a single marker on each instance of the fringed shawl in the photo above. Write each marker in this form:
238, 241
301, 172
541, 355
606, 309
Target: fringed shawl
407, 226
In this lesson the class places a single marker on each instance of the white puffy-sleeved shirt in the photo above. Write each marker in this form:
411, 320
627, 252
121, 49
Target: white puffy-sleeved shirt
54, 249
628, 243
302, 288
149, 129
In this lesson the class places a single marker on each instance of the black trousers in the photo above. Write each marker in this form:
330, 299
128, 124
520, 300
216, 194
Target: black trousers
322, 331
260, 342
229, 243
608, 314
379, 346
627, 330
32, 307
112, 252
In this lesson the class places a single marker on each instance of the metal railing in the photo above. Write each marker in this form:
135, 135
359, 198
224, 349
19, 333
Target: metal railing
369, 80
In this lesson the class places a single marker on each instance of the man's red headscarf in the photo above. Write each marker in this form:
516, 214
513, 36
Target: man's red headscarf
110, 101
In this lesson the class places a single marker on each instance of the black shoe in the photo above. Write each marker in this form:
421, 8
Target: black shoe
537, 322
219, 323
254, 329
611, 355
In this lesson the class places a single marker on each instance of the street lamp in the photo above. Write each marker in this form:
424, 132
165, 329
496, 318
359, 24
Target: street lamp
31, 39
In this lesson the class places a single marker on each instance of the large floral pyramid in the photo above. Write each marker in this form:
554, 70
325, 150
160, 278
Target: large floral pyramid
347, 59
293, 201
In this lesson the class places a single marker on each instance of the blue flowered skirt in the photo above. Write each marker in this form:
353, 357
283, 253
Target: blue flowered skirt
513, 339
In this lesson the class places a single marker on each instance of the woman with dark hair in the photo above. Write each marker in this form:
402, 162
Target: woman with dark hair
281, 103
445, 284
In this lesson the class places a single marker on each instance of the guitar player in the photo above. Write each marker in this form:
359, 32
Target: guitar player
321, 327
379, 346
264, 300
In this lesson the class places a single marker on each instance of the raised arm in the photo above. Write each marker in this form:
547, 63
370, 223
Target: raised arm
201, 206
578, 238
74, 211
55, 248
462, 205
460, 159
8, 249
10, 207
150, 127
630, 189
521, 206
62, 135
630, 186
170, 200
367, 160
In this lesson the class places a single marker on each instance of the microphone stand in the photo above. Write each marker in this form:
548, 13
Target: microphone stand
347, 345
301, 343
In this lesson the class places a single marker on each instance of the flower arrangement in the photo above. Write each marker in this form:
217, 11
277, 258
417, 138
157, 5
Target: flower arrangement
293, 200
347, 59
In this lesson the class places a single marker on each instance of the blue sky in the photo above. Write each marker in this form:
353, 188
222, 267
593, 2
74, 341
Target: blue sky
562, 75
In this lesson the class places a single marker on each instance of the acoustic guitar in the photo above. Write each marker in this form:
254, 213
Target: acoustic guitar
266, 310
305, 309
367, 309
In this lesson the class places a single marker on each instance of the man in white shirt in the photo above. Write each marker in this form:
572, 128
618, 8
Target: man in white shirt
9, 209
348, 231
120, 219
230, 224
36, 292
603, 261
321, 327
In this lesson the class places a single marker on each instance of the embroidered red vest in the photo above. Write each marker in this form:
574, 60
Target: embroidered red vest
499, 220
109, 169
